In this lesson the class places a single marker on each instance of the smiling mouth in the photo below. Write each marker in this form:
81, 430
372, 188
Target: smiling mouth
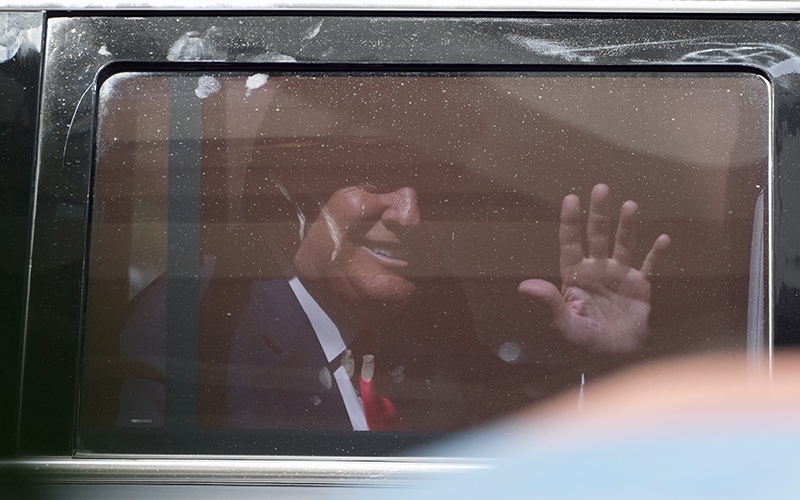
389, 253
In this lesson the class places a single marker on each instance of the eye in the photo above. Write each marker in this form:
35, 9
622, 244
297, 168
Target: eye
370, 187
378, 187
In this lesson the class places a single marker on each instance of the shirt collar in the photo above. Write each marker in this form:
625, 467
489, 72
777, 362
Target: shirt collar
327, 333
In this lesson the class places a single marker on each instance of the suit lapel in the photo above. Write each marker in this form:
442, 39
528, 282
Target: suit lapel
295, 360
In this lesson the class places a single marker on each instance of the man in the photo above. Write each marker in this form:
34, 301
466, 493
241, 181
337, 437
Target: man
283, 345
361, 303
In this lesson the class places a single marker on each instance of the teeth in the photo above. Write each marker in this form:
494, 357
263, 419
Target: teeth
392, 253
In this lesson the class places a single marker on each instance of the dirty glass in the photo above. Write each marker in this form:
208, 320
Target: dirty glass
340, 251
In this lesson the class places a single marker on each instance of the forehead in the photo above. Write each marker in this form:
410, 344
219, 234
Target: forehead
320, 167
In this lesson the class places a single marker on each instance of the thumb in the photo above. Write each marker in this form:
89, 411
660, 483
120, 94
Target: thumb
548, 296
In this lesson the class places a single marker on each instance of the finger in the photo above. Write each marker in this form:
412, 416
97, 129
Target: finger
656, 256
548, 296
569, 232
625, 242
597, 230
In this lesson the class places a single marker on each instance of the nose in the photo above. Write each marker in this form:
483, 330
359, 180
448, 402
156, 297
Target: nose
401, 208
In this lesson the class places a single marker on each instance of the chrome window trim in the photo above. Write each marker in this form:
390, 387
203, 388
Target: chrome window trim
265, 471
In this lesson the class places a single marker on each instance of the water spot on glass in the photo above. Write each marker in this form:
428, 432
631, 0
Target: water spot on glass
397, 373
207, 85
325, 377
254, 82
313, 32
509, 352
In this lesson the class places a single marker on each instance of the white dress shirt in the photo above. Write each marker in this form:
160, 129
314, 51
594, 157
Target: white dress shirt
330, 339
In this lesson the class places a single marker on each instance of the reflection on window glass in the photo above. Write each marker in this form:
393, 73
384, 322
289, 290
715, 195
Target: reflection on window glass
412, 252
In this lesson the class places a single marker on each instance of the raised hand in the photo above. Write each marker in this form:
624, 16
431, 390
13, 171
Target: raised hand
604, 302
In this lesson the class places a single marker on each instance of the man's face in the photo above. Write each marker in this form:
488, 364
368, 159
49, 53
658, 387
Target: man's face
365, 246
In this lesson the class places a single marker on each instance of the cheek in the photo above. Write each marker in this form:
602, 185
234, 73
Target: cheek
358, 208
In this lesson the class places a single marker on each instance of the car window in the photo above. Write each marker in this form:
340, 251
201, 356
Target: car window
311, 253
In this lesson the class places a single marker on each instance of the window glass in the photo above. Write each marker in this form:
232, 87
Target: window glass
345, 251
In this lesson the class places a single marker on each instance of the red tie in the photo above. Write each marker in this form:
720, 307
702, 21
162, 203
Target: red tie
380, 412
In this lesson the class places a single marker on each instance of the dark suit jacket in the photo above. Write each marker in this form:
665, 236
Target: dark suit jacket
275, 363
268, 362
274, 367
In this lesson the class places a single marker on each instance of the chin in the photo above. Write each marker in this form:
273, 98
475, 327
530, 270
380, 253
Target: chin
391, 290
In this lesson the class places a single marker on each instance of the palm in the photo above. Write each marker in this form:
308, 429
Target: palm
604, 303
